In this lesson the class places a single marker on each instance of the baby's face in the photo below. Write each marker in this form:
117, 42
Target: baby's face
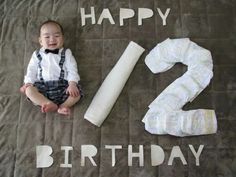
51, 36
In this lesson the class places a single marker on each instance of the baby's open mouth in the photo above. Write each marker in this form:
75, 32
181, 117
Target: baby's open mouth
52, 45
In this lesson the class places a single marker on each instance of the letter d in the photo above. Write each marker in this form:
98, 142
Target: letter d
43, 158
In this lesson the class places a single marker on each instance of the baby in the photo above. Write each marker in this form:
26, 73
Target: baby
52, 77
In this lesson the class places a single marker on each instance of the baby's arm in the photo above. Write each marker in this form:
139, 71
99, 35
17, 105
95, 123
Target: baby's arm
73, 76
72, 89
31, 74
71, 67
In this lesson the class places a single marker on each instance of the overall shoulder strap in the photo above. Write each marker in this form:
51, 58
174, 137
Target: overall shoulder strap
39, 65
61, 64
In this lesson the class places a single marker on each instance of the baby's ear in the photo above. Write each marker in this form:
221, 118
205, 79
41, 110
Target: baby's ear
40, 41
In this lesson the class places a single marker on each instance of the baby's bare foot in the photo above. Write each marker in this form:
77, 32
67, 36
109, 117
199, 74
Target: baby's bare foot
49, 107
64, 111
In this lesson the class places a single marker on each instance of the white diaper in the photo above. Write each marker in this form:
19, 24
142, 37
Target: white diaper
165, 114
113, 84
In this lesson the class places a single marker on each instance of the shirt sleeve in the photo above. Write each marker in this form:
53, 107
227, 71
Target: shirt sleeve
32, 70
71, 67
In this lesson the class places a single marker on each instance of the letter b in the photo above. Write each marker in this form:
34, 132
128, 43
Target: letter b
43, 158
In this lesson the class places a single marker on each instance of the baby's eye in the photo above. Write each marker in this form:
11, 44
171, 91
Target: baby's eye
46, 37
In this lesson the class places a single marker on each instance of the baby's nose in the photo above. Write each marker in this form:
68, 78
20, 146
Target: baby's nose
52, 38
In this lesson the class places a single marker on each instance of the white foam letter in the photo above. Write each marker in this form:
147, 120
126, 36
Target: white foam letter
83, 15
176, 152
125, 14
43, 158
113, 152
138, 154
105, 14
144, 13
163, 17
66, 149
157, 155
196, 155
88, 151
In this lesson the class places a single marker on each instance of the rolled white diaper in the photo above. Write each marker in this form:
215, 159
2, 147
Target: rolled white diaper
113, 84
199, 122
165, 114
172, 124
155, 122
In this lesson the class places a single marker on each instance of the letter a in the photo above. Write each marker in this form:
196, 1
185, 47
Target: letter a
176, 152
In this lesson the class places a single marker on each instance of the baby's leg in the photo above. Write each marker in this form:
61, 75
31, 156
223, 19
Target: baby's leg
37, 98
64, 108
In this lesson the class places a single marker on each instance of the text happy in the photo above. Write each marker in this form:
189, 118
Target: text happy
124, 14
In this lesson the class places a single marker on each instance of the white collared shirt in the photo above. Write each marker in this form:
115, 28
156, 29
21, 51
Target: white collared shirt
50, 67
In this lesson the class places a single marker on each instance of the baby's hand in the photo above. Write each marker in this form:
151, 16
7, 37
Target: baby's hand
73, 90
23, 88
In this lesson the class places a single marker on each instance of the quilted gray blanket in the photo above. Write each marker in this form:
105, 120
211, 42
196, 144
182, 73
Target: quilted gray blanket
72, 146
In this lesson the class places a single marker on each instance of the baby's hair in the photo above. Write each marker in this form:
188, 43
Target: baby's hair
51, 21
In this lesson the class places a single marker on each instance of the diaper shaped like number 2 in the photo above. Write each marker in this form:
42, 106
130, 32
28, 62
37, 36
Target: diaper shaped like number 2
165, 114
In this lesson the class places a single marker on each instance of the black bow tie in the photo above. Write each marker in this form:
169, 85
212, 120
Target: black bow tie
55, 51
